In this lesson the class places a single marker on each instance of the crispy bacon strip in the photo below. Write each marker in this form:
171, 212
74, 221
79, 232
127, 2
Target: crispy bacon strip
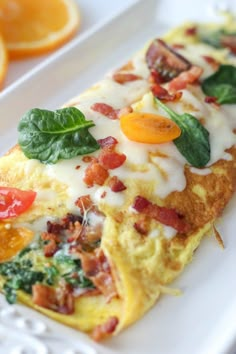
163, 95
104, 330
109, 141
164, 215
97, 268
60, 300
188, 77
116, 185
110, 159
105, 109
95, 173
122, 78
212, 61
229, 41
84, 203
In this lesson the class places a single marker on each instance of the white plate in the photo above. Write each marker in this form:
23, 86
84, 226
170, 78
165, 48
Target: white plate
202, 320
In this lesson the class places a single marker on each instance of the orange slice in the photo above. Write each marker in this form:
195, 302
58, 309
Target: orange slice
3, 61
32, 27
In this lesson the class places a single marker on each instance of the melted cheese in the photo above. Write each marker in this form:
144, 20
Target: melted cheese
162, 165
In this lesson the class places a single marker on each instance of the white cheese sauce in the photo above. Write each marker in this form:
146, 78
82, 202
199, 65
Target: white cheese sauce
159, 163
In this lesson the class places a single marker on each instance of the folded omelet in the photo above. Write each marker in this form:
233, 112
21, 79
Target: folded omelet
104, 202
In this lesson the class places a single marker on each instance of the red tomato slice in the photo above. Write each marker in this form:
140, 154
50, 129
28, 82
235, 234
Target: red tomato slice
14, 201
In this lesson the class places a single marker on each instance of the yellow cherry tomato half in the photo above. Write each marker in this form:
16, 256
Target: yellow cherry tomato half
149, 128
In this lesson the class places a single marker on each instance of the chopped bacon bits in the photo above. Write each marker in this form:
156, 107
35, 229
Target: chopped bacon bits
110, 159
116, 185
122, 78
52, 243
178, 46
95, 173
142, 226
187, 77
50, 248
59, 300
229, 41
164, 215
191, 31
105, 109
212, 61
84, 203
87, 159
97, 268
102, 331
210, 99
109, 141
162, 94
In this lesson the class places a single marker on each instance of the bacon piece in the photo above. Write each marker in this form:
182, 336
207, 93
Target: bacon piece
178, 46
59, 300
84, 203
163, 95
229, 41
210, 99
89, 159
212, 61
65, 299
109, 141
165, 61
104, 330
142, 226
116, 185
52, 246
122, 78
164, 215
105, 109
191, 31
54, 227
97, 268
70, 220
111, 159
95, 173
188, 77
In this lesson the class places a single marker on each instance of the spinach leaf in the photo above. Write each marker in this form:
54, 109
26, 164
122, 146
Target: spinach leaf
216, 38
212, 38
193, 143
50, 136
51, 274
19, 276
222, 84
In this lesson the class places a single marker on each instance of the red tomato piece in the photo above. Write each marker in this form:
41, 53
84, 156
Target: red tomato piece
14, 201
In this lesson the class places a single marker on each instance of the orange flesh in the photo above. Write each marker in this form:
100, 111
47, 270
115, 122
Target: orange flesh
149, 128
29, 20
32, 27
13, 240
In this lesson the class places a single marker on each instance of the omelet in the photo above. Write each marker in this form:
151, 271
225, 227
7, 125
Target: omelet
104, 201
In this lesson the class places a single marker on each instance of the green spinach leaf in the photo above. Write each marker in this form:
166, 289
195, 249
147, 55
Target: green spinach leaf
19, 276
50, 136
222, 84
193, 143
